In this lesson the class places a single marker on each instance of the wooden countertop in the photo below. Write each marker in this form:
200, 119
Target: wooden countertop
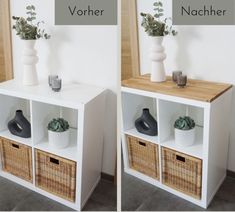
196, 89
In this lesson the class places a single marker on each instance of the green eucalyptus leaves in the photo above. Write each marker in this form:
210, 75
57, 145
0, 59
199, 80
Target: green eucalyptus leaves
153, 25
26, 29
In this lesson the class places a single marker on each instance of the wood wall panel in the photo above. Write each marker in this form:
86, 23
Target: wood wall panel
6, 72
130, 43
2, 60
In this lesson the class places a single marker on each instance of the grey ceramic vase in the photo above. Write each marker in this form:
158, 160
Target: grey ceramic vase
20, 126
146, 124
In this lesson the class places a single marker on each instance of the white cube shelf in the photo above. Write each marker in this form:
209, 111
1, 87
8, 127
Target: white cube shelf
209, 104
83, 106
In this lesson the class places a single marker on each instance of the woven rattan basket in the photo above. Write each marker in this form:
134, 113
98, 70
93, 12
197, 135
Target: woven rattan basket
143, 156
16, 159
182, 172
56, 175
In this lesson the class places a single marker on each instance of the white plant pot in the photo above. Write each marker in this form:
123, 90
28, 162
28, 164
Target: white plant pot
157, 57
58, 140
184, 138
29, 60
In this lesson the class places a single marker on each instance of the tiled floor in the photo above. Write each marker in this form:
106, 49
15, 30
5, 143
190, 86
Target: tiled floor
14, 197
140, 196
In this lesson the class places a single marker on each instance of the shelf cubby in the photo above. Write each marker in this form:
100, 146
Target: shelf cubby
168, 112
42, 114
8, 107
132, 109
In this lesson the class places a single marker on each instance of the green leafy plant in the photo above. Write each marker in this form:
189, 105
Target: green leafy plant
26, 28
58, 125
184, 123
153, 24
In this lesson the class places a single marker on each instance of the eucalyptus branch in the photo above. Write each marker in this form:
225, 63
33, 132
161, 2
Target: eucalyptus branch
26, 29
153, 24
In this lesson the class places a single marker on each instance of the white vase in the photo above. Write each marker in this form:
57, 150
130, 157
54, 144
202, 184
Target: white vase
58, 140
29, 60
184, 138
157, 57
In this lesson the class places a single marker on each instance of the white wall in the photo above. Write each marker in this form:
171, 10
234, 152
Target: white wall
86, 54
202, 52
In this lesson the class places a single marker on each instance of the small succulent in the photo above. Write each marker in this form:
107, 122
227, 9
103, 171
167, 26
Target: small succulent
26, 29
184, 123
153, 25
58, 125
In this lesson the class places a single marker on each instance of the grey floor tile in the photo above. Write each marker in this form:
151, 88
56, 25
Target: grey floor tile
158, 202
227, 190
141, 196
17, 198
134, 192
11, 194
219, 204
164, 201
105, 193
97, 206
37, 202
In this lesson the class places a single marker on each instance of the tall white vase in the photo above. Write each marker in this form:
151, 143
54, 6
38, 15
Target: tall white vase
157, 56
29, 60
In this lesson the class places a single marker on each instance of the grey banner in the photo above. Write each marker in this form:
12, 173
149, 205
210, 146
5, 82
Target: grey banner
86, 12
203, 12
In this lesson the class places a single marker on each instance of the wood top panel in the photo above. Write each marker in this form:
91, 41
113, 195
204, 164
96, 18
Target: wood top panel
196, 89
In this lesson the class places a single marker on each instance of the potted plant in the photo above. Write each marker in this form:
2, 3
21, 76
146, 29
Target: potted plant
157, 29
58, 133
184, 131
29, 31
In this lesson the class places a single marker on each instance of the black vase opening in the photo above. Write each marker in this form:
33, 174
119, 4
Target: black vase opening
146, 124
19, 125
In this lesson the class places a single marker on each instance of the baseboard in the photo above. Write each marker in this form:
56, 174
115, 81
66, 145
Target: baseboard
230, 173
107, 177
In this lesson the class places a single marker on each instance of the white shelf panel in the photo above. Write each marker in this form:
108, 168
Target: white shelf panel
195, 150
70, 152
71, 95
135, 133
6, 134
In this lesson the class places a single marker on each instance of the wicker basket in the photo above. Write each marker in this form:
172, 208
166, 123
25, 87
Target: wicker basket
56, 175
16, 159
182, 172
143, 156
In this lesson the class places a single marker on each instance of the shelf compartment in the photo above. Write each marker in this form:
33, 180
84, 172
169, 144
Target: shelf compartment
70, 152
55, 175
143, 156
8, 110
42, 114
182, 172
195, 150
132, 108
169, 112
16, 159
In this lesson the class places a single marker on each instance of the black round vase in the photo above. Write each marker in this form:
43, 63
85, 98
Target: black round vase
146, 124
20, 126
